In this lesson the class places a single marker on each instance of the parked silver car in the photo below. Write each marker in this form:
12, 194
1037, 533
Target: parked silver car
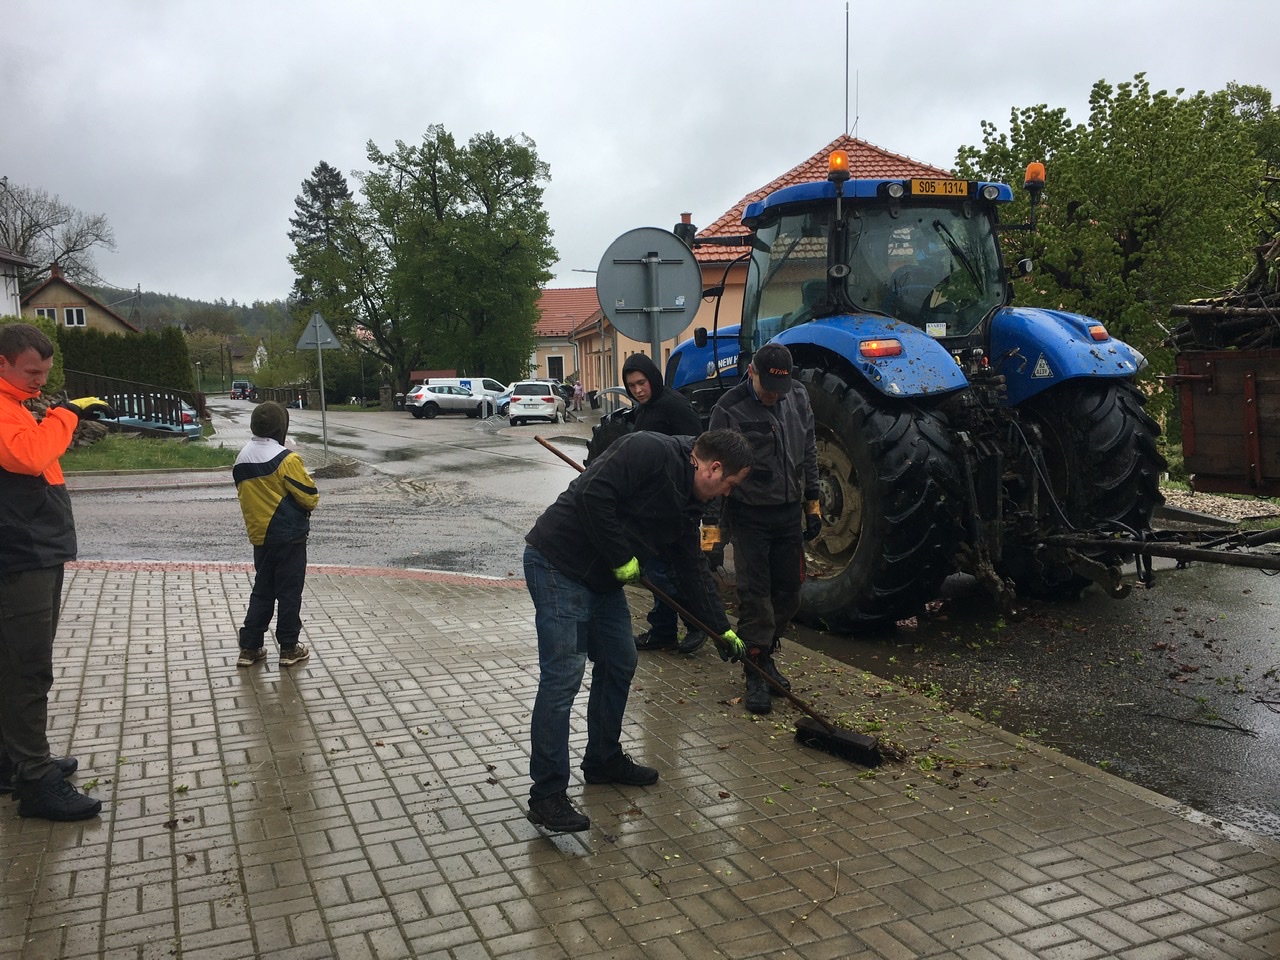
430, 400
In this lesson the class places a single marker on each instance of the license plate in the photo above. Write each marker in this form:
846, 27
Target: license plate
940, 188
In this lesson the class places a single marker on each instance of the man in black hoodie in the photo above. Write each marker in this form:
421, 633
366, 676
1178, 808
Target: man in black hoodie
660, 410
642, 498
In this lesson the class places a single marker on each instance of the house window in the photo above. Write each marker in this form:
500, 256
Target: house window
555, 368
73, 316
49, 313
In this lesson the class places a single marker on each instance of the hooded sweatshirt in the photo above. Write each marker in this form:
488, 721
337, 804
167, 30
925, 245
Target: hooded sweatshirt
667, 411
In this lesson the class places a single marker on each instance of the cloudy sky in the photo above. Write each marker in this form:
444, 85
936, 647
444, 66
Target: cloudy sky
191, 124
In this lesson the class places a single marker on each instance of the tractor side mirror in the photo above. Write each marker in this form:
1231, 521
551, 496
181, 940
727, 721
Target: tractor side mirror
1025, 267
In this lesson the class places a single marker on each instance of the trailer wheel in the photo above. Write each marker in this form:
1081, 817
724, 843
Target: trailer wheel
1104, 469
889, 531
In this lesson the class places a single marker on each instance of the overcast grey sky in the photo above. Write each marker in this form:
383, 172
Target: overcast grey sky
191, 125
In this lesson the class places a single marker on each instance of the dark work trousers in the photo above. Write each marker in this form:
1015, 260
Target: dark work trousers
768, 565
29, 604
281, 571
662, 618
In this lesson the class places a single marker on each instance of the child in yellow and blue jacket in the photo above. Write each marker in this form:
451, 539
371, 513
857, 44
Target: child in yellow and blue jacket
277, 496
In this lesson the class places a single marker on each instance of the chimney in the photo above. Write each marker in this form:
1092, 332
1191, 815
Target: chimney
55, 271
685, 229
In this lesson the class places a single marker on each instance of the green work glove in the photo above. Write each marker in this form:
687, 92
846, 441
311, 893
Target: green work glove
629, 572
731, 648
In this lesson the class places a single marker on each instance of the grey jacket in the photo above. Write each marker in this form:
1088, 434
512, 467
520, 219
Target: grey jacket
785, 464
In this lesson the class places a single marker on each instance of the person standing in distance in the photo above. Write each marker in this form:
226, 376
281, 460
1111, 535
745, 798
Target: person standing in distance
37, 538
641, 498
276, 496
773, 512
667, 411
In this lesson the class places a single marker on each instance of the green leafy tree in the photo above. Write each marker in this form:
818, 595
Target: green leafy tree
1154, 201
442, 260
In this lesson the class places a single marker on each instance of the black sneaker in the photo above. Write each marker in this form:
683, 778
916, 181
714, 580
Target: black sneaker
251, 655
624, 770
771, 668
558, 815
647, 641
66, 766
758, 699
295, 654
52, 798
692, 642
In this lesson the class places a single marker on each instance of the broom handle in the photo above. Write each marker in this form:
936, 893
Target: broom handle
680, 609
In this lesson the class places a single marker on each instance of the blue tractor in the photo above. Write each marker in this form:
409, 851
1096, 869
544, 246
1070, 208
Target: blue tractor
955, 431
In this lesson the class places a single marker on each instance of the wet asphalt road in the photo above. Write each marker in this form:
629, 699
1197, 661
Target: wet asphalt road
1175, 688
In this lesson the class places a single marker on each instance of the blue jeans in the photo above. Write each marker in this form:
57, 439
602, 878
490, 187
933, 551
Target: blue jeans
662, 618
576, 624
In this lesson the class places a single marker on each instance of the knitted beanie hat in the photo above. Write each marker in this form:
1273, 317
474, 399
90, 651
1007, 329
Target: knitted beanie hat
270, 419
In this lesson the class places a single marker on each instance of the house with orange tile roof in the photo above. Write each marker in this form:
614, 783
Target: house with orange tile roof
68, 306
603, 349
561, 310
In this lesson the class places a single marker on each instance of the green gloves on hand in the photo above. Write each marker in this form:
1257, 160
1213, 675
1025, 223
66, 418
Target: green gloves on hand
731, 647
629, 572
89, 408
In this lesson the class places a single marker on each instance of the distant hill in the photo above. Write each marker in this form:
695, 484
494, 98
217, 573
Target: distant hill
154, 311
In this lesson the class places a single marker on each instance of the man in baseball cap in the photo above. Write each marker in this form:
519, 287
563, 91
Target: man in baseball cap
771, 514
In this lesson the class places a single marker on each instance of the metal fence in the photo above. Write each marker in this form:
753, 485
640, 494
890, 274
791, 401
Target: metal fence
143, 400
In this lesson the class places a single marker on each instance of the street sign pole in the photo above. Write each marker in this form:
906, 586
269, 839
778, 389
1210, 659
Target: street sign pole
317, 334
324, 421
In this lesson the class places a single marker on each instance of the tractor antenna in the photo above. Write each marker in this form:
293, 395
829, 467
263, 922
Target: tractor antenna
846, 65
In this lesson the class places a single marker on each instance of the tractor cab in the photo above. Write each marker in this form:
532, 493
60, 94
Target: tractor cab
919, 252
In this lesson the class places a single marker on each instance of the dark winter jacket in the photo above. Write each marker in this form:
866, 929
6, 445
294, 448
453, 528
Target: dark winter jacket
36, 526
667, 411
784, 468
635, 500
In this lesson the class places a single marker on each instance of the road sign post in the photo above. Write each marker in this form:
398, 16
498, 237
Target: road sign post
317, 334
649, 286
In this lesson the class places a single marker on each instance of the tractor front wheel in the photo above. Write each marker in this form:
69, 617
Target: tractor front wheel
886, 469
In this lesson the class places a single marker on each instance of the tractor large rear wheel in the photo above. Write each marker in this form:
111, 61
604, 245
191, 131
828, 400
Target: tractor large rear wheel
889, 533
1104, 470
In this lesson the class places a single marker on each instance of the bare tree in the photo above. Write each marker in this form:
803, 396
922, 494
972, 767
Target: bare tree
40, 227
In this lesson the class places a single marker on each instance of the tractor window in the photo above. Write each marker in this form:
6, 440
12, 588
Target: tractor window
787, 272
932, 267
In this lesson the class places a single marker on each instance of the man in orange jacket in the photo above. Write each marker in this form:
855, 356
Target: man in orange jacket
37, 536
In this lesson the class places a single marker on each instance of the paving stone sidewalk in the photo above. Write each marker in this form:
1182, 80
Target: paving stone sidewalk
369, 803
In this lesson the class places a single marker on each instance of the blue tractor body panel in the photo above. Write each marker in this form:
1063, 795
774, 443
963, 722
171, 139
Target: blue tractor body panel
923, 368
1037, 349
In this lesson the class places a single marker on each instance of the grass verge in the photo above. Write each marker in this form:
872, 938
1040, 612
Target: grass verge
123, 452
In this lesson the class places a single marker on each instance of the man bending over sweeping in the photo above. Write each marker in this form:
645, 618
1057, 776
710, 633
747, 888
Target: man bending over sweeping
640, 500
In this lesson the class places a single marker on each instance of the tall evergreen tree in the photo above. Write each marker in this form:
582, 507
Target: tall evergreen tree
317, 228
443, 259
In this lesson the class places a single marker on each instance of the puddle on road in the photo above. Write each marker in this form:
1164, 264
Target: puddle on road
317, 439
403, 453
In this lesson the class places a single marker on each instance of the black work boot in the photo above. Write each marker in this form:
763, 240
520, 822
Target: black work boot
771, 668
557, 814
647, 641
692, 642
67, 765
757, 699
52, 798
624, 770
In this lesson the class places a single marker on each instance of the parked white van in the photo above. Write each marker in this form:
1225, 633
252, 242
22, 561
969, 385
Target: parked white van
479, 386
